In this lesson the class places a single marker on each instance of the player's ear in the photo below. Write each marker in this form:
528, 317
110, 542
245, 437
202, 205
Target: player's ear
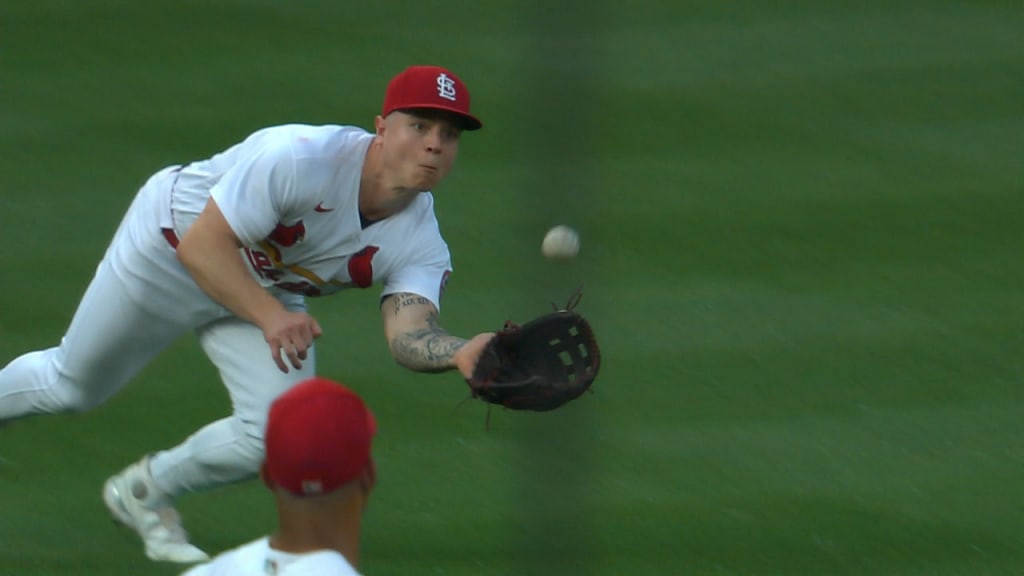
265, 476
379, 125
368, 478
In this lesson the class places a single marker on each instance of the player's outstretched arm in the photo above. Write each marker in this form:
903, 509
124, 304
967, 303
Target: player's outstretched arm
209, 250
418, 342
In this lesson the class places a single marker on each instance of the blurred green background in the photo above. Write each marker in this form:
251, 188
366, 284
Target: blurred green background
802, 252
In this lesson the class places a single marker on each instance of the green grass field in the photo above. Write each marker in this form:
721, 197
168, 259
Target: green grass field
802, 251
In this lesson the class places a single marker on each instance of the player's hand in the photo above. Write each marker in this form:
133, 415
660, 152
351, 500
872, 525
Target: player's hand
465, 358
291, 335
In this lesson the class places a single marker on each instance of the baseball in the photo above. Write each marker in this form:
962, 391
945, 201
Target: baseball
561, 243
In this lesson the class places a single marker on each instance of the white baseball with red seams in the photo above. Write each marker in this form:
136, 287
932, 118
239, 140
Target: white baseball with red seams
561, 243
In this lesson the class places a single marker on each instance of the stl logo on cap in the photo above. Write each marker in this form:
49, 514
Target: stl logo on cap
445, 87
430, 87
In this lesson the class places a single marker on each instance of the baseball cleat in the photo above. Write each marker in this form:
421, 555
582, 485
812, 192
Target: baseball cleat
134, 500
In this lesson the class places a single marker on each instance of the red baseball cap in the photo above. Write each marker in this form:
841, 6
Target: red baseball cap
430, 87
318, 438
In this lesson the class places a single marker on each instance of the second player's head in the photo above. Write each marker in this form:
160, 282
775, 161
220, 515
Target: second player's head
318, 440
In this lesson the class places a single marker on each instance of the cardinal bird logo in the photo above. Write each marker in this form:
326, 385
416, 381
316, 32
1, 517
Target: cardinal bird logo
360, 266
288, 235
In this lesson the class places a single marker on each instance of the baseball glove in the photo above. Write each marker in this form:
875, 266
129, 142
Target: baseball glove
540, 365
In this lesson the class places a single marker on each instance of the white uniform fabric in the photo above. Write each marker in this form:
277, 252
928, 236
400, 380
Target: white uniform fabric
291, 194
258, 558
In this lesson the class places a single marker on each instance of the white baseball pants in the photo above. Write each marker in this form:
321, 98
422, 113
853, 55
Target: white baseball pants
139, 302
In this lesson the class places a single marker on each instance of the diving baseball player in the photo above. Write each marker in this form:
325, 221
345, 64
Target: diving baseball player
229, 248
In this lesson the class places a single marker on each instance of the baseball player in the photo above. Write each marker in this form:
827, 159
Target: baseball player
229, 248
319, 468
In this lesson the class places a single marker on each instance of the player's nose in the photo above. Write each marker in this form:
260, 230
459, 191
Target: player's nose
433, 139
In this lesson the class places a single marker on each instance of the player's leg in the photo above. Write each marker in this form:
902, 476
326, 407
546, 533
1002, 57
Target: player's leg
115, 330
231, 449
111, 337
226, 451
109, 340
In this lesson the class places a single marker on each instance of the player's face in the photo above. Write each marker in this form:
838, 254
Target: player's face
419, 148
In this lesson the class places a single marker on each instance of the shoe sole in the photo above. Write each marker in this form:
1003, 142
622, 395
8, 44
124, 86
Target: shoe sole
112, 498
119, 514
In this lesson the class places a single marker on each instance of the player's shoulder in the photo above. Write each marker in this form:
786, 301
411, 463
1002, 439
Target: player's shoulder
421, 233
236, 561
420, 216
311, 141
423, 204
319, 563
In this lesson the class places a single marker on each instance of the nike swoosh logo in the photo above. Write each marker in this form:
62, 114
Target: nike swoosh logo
320, 208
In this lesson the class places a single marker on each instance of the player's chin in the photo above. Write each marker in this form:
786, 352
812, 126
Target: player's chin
426, 177
423, 183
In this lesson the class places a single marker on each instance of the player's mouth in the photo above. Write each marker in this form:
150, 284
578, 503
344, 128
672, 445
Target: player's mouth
426, 176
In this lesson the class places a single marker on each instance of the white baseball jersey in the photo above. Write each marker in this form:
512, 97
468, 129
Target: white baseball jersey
291, 194
258, 558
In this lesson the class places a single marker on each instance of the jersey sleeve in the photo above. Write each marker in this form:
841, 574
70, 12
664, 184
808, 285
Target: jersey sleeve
200, 570
425, 275
259, 192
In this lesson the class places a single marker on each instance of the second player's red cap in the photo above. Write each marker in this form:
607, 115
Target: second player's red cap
430, 87
318, 438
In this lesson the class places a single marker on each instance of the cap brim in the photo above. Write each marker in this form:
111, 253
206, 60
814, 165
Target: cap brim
469, 122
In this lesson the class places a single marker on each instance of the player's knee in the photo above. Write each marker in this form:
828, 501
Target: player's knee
249, 443
247, 458
223, 452
75, 396
253, 445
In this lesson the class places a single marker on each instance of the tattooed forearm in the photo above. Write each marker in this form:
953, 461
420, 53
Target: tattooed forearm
427, 348
403, 299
